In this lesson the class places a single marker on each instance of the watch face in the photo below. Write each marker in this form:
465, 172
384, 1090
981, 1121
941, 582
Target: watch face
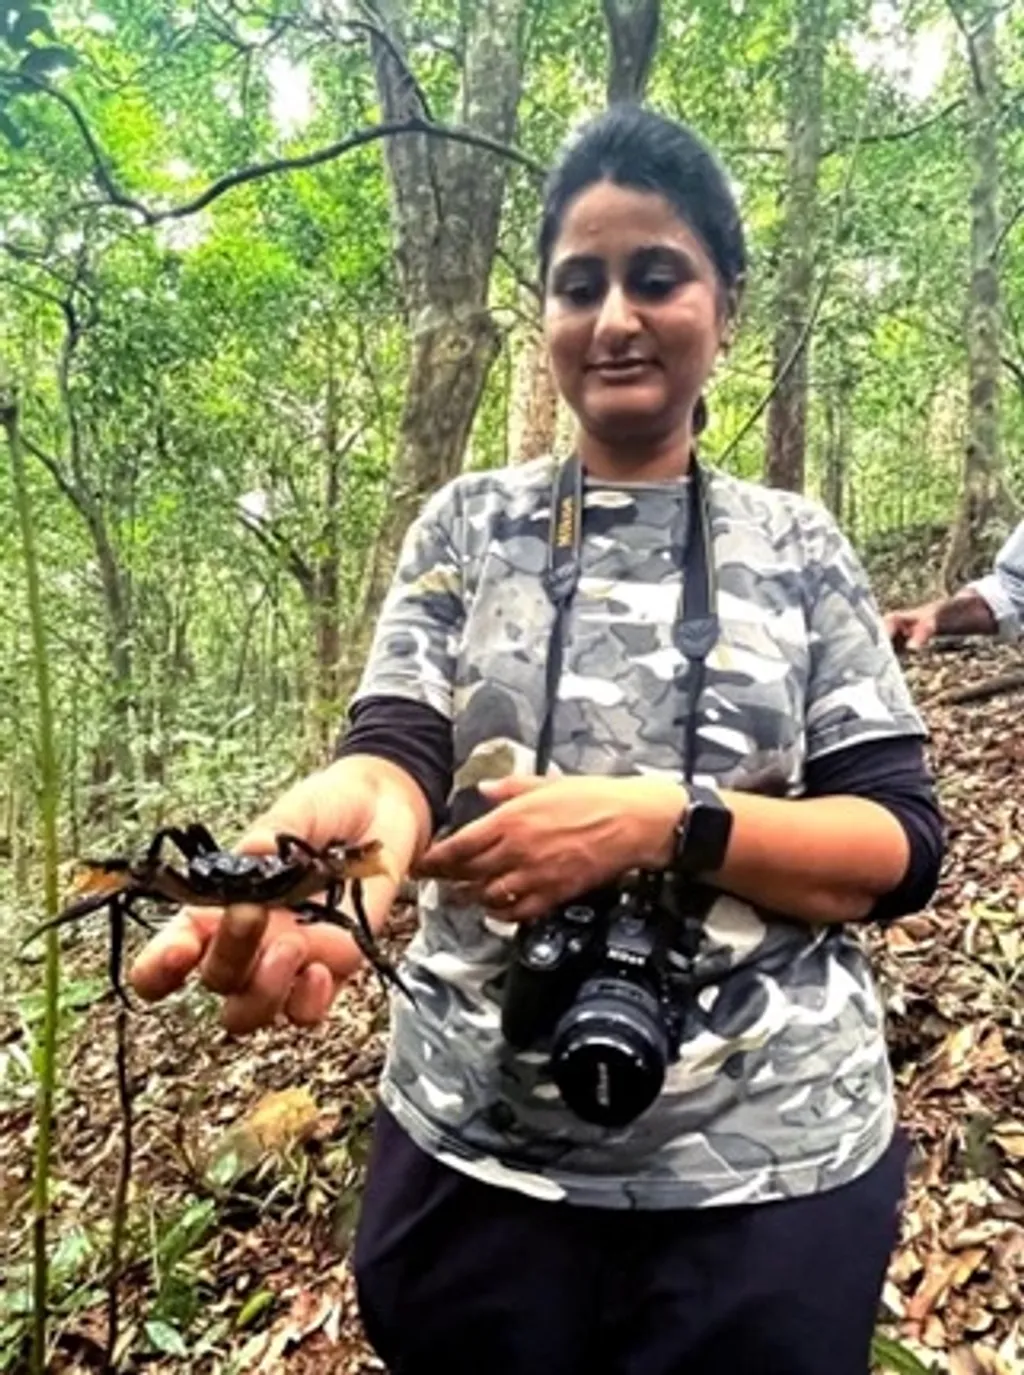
704, 840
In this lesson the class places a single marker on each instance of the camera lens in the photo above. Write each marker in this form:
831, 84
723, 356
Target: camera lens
609, 1052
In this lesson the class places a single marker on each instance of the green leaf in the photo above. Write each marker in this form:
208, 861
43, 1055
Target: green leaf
40, 62
75, 996
73, 1248
165, 1338
893, 1355
32, 21
225, 1169
188, 1232
16, 1302
178, 1300
10, 131
255, 1307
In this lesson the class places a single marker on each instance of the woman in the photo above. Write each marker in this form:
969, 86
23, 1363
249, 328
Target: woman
698, 670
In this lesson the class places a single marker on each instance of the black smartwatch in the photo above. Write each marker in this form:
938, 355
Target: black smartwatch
702, 833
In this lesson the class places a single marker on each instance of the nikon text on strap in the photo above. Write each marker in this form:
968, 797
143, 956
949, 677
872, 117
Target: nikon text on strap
696, 628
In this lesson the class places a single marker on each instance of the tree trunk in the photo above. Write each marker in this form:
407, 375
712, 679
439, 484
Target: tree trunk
451, 355
981, 472
446, 203
536, 402
840, 385
115, 755
787, 411
835, 453
632, 27
119, 646
327, 570
633, 39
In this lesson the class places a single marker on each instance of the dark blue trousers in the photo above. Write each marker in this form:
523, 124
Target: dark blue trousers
461, 1278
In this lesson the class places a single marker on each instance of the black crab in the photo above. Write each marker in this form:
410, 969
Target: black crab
293, 877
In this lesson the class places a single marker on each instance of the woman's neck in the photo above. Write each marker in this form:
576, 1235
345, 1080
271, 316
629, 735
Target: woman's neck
646, 461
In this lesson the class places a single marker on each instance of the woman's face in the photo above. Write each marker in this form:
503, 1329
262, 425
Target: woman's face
633, 314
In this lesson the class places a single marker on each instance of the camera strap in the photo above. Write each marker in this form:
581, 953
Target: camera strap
696, 628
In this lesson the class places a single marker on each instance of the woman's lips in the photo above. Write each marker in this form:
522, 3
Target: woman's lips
624, 371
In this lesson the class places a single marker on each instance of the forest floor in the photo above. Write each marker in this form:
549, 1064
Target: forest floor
239, 1222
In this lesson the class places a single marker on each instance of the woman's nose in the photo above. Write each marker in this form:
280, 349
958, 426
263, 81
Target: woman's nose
617, 322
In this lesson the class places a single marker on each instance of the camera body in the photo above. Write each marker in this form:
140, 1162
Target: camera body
597, 980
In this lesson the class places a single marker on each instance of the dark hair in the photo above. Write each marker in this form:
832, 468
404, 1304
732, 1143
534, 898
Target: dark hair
633, 147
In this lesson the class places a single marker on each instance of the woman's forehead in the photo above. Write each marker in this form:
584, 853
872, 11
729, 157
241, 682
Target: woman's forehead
609, 220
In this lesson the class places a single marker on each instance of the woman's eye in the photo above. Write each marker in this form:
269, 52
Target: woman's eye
579, 292
655, 286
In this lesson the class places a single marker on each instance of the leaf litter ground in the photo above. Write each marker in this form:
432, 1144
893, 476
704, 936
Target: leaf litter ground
248, 1153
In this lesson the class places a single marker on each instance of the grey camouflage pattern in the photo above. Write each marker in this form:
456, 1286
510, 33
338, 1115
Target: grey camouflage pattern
782, 1086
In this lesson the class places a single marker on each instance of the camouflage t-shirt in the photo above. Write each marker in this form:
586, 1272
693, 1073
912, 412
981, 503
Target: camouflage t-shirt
782, 1085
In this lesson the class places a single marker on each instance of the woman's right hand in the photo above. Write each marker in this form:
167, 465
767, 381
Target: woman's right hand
263, 961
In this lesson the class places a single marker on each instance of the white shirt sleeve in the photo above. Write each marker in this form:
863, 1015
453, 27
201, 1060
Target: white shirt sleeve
1003, 588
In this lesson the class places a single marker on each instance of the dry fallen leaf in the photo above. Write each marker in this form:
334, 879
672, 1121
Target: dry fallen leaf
951, 971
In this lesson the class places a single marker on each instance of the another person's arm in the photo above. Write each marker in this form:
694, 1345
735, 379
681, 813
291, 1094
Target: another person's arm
994, 605
1003, 590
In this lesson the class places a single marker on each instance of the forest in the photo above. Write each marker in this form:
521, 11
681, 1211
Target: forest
267, 280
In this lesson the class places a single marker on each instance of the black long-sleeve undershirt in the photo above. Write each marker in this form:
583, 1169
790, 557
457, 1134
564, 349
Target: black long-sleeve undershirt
891, 772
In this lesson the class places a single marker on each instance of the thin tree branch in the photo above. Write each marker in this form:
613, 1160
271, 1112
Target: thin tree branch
256, 171
119, 1212
221, 27
75, 487
38, 259
380, 34
31, 290
100, 170
373, 380
1015, 369
19, 254
892, 135
282, 551
841, 144
1005, 232
56, 472
961, 23
528, 284
335, 150
72, 338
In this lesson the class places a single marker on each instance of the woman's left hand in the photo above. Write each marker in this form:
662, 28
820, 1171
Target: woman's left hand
550, 839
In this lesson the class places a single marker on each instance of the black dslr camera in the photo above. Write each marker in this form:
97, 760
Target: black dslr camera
597, 980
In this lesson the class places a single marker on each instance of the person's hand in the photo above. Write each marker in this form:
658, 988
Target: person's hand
263, 960
913, 627
550, 839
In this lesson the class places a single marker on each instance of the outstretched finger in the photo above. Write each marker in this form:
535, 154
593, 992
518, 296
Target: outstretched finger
235, 948
312, 994
268, 988
165, 962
